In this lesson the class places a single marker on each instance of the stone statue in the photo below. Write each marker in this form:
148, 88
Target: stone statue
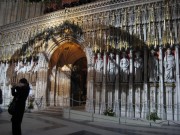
6, 66
99, 68
19, 66
2, 69
22, 68
169, 64
42, 61
35, 67
153, 65
138, 65
111, 68
30, 66
124, 68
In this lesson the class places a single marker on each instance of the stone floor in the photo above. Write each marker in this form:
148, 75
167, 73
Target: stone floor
43, 124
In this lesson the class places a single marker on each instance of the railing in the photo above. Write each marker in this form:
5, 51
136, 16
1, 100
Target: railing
130, 112
124, 113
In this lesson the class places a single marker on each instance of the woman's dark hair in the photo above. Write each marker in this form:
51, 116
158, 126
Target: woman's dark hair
23, 80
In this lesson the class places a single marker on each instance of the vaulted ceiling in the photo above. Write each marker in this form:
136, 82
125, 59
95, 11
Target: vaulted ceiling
67, 53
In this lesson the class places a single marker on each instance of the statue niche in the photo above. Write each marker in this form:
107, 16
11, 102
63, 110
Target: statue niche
98, 68
124, 68
111, 68
138, 67
153, 65
169, 66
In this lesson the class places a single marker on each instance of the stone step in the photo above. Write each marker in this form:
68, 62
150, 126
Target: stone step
52, 111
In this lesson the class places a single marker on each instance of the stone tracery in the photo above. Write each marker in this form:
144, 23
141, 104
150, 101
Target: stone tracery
137, 29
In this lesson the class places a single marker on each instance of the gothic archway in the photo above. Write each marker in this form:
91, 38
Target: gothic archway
68, 64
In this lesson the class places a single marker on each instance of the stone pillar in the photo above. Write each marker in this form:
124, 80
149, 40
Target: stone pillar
98, 67
169, 99
117, 89
138, 102
152, 98
145, 88
161, 109
6, 89
123, 99
110, 95
130, 110
177, 91
110, 80
97, 97
104, 86
90, 87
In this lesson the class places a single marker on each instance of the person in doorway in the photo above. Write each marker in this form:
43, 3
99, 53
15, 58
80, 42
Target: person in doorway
20, 93
1, 100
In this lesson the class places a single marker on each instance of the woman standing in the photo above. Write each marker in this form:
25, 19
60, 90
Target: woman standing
20, 93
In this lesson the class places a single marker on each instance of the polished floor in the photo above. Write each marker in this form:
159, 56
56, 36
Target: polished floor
49, 124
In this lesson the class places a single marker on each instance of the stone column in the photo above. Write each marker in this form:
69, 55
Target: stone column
130, 110
123, 99
145, 105
6, 89
169, 99
137, 97
161, 109
110, 95
110, 81
152, 98
103, 93
90, 87
117, 89
97, 97
177, 91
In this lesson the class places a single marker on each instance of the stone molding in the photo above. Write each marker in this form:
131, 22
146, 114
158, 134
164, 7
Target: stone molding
75, 12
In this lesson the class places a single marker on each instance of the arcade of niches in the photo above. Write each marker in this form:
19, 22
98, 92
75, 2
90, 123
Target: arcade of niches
117, 54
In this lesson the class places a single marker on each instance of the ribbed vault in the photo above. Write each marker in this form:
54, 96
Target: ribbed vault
65, 54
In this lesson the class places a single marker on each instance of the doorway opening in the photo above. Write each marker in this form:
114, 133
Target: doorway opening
68, 75
78, 82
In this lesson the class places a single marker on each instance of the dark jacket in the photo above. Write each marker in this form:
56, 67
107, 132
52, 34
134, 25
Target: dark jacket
20, 93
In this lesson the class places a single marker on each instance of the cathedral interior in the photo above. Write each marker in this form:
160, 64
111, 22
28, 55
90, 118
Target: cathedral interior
100, 54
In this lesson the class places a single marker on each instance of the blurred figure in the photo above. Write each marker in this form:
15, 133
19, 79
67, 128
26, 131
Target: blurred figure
20, 93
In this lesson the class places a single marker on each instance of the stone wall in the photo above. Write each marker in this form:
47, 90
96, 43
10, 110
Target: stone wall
18, 10
142, 30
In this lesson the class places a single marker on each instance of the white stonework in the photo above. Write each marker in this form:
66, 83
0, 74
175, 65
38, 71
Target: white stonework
136, 75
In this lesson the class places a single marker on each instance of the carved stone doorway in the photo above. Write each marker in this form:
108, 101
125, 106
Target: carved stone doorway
68, 67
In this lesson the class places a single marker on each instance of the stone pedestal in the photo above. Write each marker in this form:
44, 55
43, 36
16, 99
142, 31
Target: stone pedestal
97, 97
169, 102
110, 95
153, 98
123, 103
137, 104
